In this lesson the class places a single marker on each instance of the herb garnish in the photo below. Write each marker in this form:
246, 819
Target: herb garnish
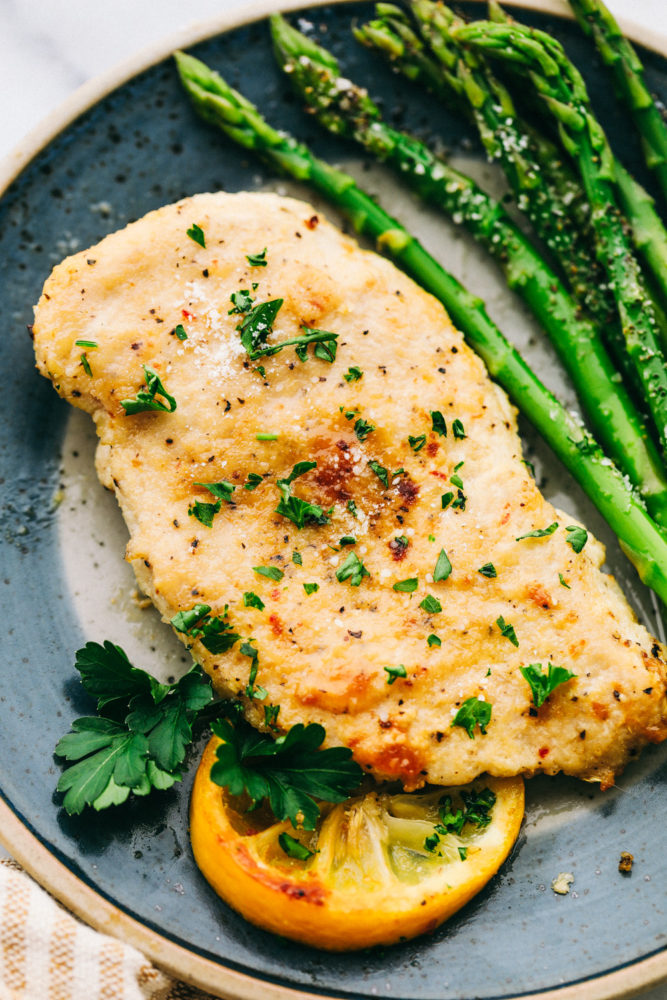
394, 672
139, 739
562, 582
272, 572
507, 630
252, 600
433, 640
431, 605
290, 772
443, 567
179, 332
473, 712
542, 684
242, 302
257, 259
253, 481
266, 436
222, 490
86, 343
353, 374
213, 631
577, 537
445, 500
488, 569
476, 811
458, 430
362, 429
406, 586
380, 472
351, 508
293, 848
257, 326
439, 424
416, 442
204, 512
539, 532
300, 512
146, 398
311, 588
352, 569
296, 558
196, 233
86, 365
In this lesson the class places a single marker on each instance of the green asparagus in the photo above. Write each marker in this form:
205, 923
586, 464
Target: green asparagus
347, 110
618, 53
639, 536
564, 94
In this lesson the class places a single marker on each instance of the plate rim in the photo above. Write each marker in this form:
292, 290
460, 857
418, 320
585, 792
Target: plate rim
26, 847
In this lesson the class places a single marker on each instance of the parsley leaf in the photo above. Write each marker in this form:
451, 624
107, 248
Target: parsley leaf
351, 508
563, 582
352, 569
473, 712
539, 532
311, 588
253, 481
293, 848
212, 630
257, 259
297, 558
443, 567
179, 331
362, 429
289, 772
507, 630
242, 302
434, 640
445, 500
85, 364
394, 672
252, 600
353, 374
458, 430
139, 739
196, 233
145, 399
488, 569
380, 472
272, 572
416, 443
204, 512
257, 326
406, 586
222, 490
577, 537
439, 424
542, 684
299, 511
431, 605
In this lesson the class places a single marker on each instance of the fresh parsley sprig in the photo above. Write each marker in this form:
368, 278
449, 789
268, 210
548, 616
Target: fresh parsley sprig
542, 684
300, 512
139, 739
145, 398
290, 772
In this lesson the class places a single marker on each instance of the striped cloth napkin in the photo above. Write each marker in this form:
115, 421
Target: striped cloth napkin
47, 954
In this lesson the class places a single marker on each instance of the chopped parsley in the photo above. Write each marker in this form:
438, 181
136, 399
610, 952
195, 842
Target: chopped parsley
140, 736
311, 588
256, 327
86, 343
293, 848
406, 586
145, 399
416, 442
352, 569
204, 512
272, 572
488, 569
325, 345
290, 772
353, 374
266, 436
394, 672
296, 558
259, 693
562, 581
458, 430
351, 508
300, 512
539, 532
222, 490
252, 600
431, 605
507, 630
476, 810
86, 365
463, 853
473, 712
456, 480
257, 259
443, 567
253, 481
362, 429
445, 500
380, 472
213, 631
542, 684
242, 302
196, 233
179, 332
439, 424
271, 715
347, 540
577, 537
434, 640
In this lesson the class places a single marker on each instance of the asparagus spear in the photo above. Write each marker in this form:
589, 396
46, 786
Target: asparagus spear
564, 94
347, 110
641, 539
628, 72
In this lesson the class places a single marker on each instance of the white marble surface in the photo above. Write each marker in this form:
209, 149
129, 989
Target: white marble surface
49, 48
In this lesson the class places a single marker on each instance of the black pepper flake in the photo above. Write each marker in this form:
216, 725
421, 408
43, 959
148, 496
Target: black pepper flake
533, 712
168, 440
617, 695
91, 261
439, 736
205, 272
648, 690
355, 635
194, 543
228, 406
175, 522
582, 734
455, 350
136, 346
655, 650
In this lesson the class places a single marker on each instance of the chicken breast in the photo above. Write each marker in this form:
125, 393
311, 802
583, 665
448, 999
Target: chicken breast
386, 591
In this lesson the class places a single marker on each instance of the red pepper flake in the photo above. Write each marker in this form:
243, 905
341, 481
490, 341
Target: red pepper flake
187, 315
542, 752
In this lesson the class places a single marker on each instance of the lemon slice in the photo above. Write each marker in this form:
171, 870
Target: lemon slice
379, 868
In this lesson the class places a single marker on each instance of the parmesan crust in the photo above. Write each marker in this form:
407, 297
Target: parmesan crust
322, 657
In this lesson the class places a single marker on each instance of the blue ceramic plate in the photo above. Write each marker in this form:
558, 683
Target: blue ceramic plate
64, 582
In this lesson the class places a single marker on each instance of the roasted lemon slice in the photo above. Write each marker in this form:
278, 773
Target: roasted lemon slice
379, 868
